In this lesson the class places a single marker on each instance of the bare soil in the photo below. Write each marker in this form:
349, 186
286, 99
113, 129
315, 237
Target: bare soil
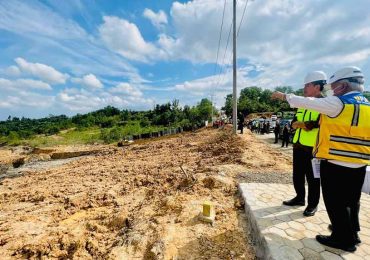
140, 201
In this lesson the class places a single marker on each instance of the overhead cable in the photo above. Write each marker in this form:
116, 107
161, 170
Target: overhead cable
227, 43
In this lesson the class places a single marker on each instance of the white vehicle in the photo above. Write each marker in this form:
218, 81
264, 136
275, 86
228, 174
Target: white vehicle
273, 121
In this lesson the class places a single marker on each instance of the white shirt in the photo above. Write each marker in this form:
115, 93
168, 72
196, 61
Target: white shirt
331, 106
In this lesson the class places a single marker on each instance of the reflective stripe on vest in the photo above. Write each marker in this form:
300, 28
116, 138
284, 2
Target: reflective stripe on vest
306, 137
346, 137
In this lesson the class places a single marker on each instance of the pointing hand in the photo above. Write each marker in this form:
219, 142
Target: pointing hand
278, 95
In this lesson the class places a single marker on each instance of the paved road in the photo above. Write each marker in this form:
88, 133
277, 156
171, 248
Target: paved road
270, 139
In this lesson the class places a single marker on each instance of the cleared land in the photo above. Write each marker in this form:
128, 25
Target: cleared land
135, 202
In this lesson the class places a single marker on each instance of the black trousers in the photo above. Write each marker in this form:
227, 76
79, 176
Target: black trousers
276, 137
302, 168
285, 141
341, 189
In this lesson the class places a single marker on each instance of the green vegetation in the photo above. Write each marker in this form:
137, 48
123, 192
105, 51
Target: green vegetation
72, 136
255, 99
110, 124
105, 125
367, 95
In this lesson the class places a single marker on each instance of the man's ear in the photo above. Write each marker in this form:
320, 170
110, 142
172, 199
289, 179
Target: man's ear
319, 87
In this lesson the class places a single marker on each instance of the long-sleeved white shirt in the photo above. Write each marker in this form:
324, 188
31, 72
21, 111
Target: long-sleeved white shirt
330, 106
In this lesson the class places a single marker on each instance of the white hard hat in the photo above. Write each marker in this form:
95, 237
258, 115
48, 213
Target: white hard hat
346, 73
314, 76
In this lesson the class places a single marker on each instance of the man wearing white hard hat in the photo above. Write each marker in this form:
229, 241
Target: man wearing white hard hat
306, 125
343, 145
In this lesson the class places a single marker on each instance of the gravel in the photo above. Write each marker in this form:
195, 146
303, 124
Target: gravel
284, 178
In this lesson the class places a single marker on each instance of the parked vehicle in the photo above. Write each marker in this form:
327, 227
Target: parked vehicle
273, 121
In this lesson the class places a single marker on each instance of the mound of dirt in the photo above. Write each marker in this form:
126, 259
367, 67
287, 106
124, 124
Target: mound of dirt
139, 201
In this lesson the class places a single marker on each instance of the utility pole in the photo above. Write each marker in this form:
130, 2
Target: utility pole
212, 108
235, 106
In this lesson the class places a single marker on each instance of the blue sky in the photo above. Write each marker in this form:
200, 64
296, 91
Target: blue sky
76, 56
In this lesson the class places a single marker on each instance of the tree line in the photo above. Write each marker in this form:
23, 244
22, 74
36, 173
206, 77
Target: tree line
255, 99
113, 121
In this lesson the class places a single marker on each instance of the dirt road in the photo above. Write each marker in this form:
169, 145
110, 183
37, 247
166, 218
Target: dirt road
136, 202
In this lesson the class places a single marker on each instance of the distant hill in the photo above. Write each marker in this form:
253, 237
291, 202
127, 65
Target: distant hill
112, 122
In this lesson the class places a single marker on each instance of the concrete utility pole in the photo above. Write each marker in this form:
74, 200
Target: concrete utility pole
212, 108
235, 101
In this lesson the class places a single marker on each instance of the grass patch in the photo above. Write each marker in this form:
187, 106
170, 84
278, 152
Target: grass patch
75, 136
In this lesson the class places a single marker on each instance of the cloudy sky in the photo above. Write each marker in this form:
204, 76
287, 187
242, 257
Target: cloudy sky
75, 56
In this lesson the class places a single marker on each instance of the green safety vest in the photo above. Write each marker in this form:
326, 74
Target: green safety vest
306, 137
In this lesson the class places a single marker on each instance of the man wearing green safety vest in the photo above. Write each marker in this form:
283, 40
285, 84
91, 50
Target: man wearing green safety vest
306, 125
342, 150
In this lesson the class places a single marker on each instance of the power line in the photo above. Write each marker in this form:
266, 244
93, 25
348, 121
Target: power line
220, 75
240, 23
223, 59
227, 44
219, 38
241, 20
218, 50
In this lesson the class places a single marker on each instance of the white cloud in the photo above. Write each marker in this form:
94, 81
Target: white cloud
81, 101
5, 104
125, 38
26, 99
37, 18
216, 86
89, 81
279, 31
126, 89
6, 84
281, 35
10, 102
221, 85
21, 84
282, 39
352, 58
198, 87
157, 19
283, 8
46, 32
34, 84
41, 71
197, 25
12, 71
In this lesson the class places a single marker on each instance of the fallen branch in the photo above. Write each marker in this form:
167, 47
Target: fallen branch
187, 175
184, 172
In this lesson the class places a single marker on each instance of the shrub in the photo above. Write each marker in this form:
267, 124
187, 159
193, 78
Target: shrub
111, 135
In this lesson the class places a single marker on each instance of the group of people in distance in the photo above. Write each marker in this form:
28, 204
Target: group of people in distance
335, 130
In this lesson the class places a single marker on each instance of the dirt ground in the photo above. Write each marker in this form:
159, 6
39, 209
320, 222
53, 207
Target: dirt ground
140, 201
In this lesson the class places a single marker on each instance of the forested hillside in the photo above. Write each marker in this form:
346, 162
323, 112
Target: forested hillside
111, 124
